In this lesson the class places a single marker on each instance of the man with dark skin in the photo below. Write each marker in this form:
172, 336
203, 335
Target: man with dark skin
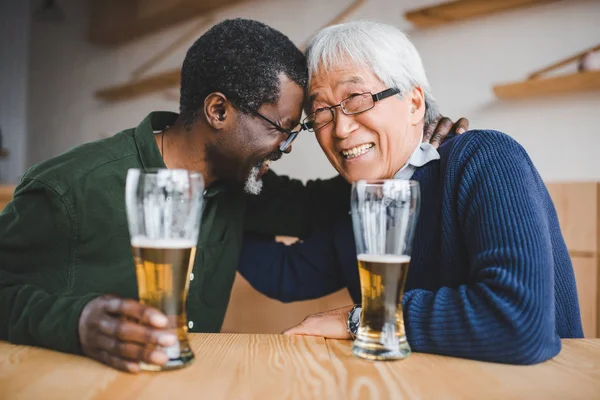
236, 144
67, 280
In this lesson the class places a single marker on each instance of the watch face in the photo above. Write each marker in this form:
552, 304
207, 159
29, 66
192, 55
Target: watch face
355, 317
354, 320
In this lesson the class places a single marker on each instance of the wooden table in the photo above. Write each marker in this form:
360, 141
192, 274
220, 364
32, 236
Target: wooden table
235, 366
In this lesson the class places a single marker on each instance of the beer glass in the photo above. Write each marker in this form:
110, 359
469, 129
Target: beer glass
163, 210
384, 215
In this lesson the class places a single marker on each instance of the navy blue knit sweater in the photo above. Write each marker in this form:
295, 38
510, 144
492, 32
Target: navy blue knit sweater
490, 276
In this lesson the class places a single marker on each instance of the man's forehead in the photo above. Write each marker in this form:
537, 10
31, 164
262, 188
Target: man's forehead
335, 81
289, 105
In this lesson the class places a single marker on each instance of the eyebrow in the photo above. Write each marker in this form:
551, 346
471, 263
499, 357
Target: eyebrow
288, 121
284, 121
352, 79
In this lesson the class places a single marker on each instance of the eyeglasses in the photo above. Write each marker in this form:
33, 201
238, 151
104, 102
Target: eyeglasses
292, 133
355, 104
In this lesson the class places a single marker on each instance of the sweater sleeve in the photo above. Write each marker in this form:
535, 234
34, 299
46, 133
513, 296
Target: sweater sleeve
289, 207
506, 311
36, 235
305, 270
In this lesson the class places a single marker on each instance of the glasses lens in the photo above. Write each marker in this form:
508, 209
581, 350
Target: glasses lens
358, 103
318, 119
288, 141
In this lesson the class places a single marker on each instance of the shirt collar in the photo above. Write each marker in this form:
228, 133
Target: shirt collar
423, 154
144, 138
148, 150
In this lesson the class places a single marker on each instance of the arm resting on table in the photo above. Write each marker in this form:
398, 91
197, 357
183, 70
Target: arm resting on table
507, 311
35, 260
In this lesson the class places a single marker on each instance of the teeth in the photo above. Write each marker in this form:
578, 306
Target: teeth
358, 150
268, 162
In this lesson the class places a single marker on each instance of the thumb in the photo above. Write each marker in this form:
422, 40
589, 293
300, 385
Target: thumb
299, 329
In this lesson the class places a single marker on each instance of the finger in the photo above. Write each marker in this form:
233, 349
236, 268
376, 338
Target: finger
129, 331
461, 126
131, 308
116, 362
429, 128
442, 129
131, 351
333, 328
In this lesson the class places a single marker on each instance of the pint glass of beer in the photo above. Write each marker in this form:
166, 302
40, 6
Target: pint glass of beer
163, 210
384, 215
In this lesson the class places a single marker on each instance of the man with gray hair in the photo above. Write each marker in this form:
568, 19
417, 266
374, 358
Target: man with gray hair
490, 277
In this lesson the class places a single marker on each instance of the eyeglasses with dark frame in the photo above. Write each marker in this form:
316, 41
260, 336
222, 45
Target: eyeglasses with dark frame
355, 104
292, 133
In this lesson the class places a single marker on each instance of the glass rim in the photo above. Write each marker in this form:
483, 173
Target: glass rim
381, 182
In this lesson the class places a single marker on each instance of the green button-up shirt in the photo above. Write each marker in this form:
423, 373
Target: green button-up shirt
64, 238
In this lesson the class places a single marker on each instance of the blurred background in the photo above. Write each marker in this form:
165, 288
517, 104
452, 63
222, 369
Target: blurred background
74, 71
58, 58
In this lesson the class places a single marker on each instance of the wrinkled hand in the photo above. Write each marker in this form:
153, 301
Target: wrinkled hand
120, 333
330, 324
436, 132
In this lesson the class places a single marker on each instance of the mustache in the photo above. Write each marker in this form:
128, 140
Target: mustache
274, 156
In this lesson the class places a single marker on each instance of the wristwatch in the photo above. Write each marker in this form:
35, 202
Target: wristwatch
353, 321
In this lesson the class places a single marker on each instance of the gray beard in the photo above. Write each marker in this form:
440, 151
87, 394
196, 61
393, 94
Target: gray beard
253, 185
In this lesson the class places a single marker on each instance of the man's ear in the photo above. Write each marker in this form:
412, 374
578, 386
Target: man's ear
217, 109
417, 105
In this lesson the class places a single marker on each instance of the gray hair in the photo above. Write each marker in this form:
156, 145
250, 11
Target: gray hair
384, 49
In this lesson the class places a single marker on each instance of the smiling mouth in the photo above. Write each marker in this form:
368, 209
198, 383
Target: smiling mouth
264, 165
357, 151
267, 163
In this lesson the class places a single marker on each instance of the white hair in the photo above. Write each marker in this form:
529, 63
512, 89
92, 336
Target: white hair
384, 49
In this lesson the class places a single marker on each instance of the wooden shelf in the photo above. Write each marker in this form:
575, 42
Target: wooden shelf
113, 22
463, 9
3, 153
577, 82
172, 78
151, 84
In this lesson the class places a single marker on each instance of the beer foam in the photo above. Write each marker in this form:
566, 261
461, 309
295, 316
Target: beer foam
142, 241
384, 258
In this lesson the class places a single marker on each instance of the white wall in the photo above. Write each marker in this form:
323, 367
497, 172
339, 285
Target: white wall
14, 58
463, 61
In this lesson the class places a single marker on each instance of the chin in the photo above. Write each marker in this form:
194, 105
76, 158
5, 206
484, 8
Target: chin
353, 176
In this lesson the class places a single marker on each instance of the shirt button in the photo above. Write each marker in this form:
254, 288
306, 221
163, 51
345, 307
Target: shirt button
190, 324
192, 276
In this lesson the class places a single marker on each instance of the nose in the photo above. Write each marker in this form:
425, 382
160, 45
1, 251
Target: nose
288, 150
343, 125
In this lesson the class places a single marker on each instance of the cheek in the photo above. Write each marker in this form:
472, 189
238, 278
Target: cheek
246, 156
326, 143
389, 127
256, 144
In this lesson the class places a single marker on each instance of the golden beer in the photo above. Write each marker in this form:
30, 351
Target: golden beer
163, 267
381, 332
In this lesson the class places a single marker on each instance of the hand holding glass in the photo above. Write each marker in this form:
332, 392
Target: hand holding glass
163, 210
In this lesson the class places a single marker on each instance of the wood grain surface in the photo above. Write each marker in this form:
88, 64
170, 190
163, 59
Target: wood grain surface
250, 311
238, 366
